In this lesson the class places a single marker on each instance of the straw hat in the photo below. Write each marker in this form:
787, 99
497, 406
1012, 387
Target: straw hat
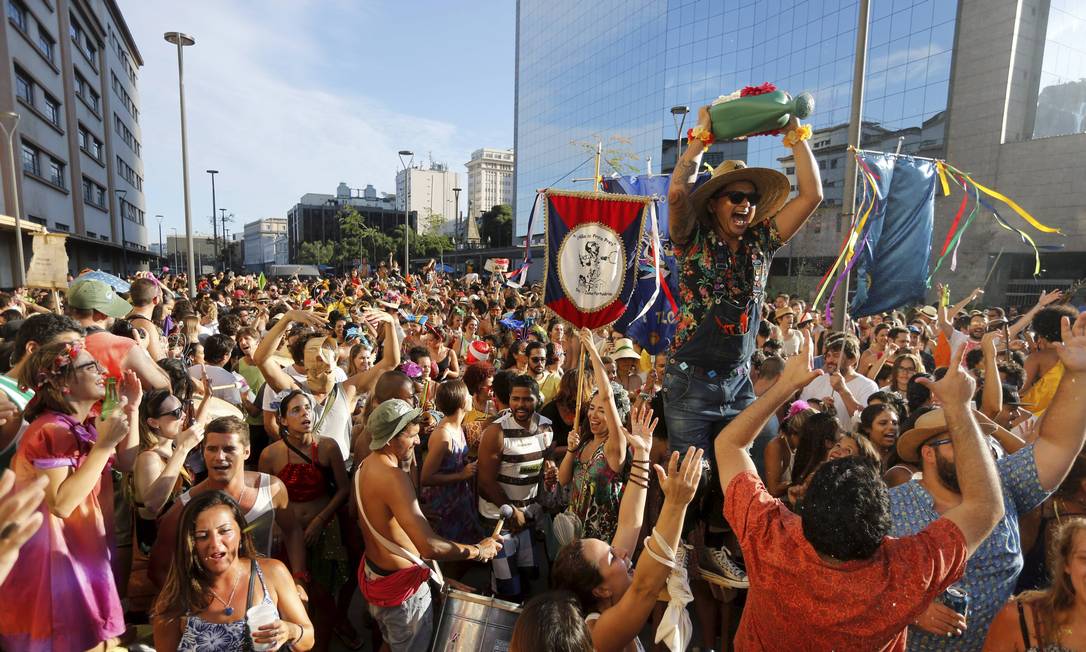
624, 349
783, 312
772, 185
927, 426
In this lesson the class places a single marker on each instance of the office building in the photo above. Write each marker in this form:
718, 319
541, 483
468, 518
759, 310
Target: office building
429, 193
71, 73
490, 179
993, 86
203, 252
265, 243
315, 218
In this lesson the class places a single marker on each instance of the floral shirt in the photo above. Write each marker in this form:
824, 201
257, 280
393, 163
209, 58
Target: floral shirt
709, 269
993, 569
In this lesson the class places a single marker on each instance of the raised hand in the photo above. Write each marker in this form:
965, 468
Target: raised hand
640, 437
191, 437
131, 389
680, 482
573, 440
957, 387
307, 318
1072, 350
797, 372
1049, 298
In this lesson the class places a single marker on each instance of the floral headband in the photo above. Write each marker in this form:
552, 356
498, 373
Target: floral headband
60, 365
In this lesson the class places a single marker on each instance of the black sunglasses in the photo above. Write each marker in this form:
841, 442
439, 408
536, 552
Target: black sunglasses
175, 413
737, 197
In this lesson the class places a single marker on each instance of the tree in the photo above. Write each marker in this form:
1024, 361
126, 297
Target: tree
496, 226
317, 253
617, 154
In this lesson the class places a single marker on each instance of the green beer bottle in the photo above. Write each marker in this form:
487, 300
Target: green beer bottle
755, 114
109, 403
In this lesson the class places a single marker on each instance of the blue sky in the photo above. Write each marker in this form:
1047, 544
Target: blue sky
285, 97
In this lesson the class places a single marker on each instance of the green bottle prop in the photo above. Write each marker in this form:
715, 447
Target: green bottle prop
109, 403
755, 114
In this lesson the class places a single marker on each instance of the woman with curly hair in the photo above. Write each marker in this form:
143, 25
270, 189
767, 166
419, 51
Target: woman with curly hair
1053, 620
597, 465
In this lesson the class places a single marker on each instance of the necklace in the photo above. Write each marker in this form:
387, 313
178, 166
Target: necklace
229, 611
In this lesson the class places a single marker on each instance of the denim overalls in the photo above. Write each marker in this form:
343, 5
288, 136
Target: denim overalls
707, 381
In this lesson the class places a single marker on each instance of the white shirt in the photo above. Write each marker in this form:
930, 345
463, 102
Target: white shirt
861, 387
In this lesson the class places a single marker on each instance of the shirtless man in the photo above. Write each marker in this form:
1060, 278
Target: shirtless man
262, 497
144, 295
398, 537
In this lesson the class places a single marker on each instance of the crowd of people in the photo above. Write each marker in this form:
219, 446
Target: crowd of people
262, 451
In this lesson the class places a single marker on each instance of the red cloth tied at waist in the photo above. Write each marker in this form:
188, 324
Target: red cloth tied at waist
391, 590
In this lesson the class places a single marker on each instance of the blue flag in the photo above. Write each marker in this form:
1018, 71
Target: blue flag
892, 264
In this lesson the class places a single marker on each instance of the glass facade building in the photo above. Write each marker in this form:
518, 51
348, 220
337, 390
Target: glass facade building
612, 71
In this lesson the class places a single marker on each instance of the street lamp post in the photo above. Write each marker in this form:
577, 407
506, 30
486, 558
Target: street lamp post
406, 209
182, 40
161, 251
456, 217
20, 276
214, 228
121, 194
225, 244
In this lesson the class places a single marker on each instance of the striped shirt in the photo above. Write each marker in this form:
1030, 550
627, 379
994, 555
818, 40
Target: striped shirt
521, 462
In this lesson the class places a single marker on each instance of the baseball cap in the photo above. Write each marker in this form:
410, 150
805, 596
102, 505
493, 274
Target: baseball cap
92, 294
389, 420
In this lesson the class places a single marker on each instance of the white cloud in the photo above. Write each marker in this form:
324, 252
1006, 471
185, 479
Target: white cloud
262, 110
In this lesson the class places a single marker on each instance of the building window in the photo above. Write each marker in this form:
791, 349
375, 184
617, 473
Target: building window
46, 44
56, 172
31, 162
17, 14
1061, 84
60, 226
790, 170
52, 110
24, 88
97, 150
84, 139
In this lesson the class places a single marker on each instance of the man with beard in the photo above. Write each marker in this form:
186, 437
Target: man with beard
511, 454
537, 369
841, 384
262, 497
317, 351
1026, 476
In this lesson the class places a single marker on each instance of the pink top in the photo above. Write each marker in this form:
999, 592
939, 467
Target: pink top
61, 594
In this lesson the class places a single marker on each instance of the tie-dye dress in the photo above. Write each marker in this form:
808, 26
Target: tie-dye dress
60, 595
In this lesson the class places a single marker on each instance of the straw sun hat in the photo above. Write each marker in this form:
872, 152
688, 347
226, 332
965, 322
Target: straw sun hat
770, 184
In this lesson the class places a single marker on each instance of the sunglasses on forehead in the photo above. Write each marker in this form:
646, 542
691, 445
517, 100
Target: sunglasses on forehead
737, 196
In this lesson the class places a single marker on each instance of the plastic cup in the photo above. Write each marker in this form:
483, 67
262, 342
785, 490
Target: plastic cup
258, 616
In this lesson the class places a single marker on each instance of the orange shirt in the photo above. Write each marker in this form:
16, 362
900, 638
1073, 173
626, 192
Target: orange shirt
797, 601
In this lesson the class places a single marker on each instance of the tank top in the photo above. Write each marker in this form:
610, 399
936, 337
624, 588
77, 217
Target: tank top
636, 643
305, 481
203, 636
521, 461
260, 517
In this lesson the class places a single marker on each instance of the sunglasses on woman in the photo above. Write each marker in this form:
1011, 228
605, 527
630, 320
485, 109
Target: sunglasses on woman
737, 197
175, 413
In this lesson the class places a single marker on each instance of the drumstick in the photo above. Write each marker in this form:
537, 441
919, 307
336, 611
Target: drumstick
505, 512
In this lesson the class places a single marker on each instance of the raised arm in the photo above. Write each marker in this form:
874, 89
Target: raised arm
364, 381
1026, 319
619, 625
799, 209
631, 509
614, 449
681, 221
982, 498
274, 375
733, 441
1064, 425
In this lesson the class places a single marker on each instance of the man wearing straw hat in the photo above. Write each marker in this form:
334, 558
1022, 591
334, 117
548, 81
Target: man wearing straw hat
724, 236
